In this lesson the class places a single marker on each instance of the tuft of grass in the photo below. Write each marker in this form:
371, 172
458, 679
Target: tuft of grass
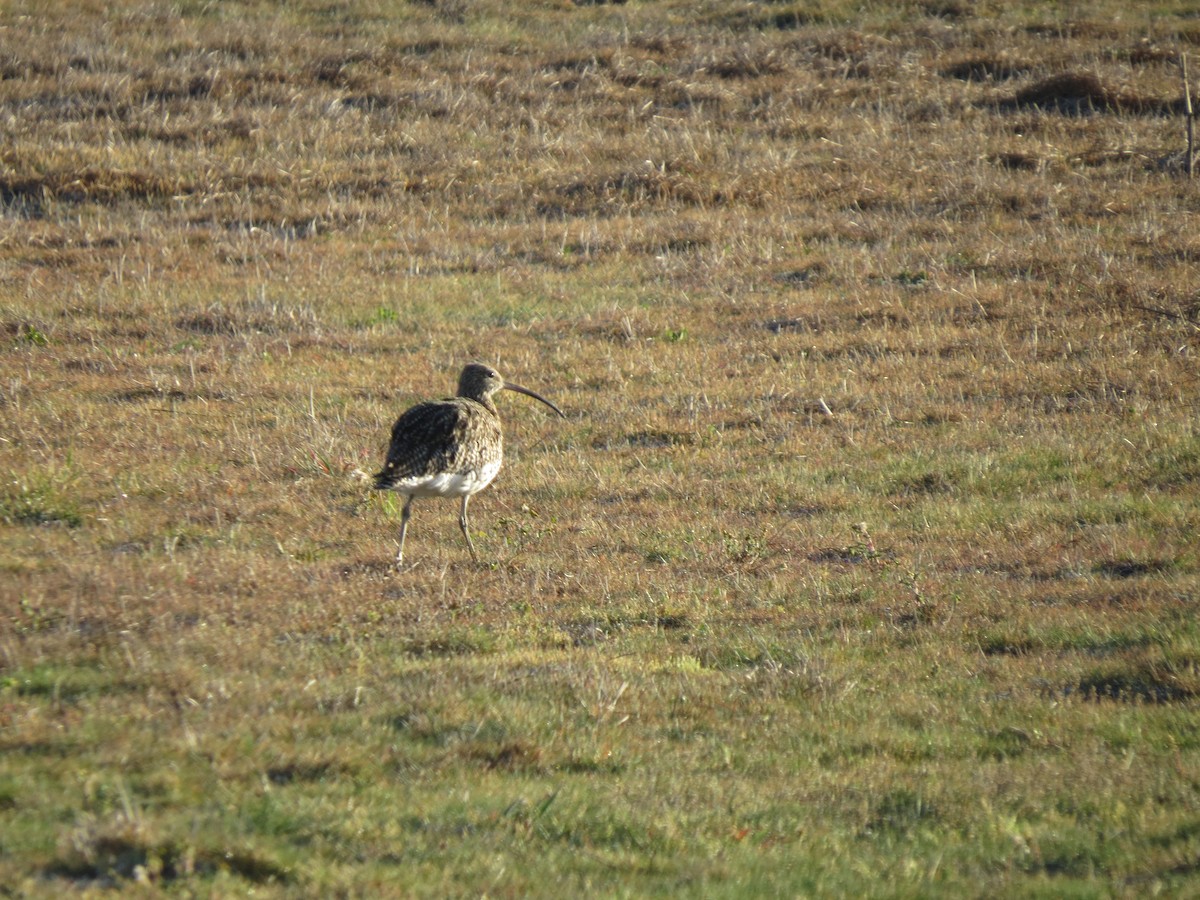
112, 855
40, 499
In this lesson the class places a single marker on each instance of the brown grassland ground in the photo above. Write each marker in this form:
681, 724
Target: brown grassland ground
865, 564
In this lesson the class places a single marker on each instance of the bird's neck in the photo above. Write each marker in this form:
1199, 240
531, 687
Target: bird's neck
485, 402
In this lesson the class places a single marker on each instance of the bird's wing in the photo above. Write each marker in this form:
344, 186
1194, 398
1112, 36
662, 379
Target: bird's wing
425, 439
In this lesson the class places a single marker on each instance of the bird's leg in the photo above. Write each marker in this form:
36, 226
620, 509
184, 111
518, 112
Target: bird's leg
462, 521
404, 515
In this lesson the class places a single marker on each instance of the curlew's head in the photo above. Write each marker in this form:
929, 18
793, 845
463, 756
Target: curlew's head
479, 382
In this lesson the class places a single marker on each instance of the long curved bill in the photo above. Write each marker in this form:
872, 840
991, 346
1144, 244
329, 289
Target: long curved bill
509, 386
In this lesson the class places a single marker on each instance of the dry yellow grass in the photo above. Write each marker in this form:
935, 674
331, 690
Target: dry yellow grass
865, 563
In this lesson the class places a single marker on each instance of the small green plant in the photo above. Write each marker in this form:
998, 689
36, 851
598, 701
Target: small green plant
862, 549
909, 278
384, 315
35, 616
38, 499
32, 335
745, 548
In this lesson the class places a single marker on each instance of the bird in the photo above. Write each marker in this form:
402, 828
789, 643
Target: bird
450, 448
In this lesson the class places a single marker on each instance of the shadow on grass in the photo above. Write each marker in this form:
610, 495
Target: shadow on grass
106, 861
1137, 685
1132, 568
899, 811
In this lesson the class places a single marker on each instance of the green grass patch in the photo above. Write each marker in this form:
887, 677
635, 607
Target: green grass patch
40, 499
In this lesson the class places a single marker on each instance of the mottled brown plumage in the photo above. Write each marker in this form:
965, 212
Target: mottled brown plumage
449, 448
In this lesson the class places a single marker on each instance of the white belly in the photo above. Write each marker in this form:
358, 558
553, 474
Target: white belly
448, 484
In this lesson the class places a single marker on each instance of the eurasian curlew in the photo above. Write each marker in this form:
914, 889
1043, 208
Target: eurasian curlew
449, 448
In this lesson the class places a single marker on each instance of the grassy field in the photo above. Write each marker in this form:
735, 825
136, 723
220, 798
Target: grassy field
866, 562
